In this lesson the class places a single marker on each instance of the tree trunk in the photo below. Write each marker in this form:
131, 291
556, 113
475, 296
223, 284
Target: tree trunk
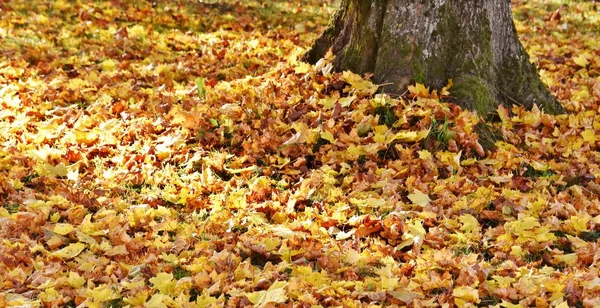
474, 42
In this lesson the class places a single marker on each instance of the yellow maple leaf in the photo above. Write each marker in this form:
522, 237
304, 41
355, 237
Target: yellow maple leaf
70, 251
303, 68
328, 102
581, 60
424, 155
569, 259
389, 283
63, 229
49, 295
451, 159
361, 85
137, 31
408, 136
282, 231
164, 283
298, 138
103, 293
469, 222
205, 300
156, 301
414, 235
60, 170
275, 294
511, 305
419, 198
75, 280
137, 299
524, 224
347, 101
271, 243
90, 228
532, 118
516, 251
328, 136
589, 135
579, 222
419, 90
465, 294
108, 65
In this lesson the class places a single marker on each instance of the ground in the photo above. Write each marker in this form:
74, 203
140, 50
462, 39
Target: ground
178, 154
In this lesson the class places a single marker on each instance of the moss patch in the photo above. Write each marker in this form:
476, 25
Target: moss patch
522, 85
475, 94
419, 70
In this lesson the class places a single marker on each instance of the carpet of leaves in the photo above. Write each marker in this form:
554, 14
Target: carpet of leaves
177, 154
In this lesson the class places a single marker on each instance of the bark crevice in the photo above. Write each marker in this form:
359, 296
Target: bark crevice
379, 31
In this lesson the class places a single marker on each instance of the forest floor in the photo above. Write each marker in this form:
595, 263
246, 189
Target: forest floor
178, 154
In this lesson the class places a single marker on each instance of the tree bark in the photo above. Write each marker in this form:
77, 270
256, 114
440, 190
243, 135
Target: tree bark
474, 42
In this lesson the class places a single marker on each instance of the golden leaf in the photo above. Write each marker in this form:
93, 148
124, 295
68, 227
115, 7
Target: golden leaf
63, 229
469, 222
275, 294
303, 68
75, 281
409, 136
163, 282
419, 90
108, 65
569, 259
70, 251
328, 136
363, 86
581, 60
282, 231
102, 293
589, 135
205, 300
419, 198
466, 294
424, 155
346, 101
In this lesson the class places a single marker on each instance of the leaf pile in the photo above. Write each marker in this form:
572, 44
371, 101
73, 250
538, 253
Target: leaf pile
179, 154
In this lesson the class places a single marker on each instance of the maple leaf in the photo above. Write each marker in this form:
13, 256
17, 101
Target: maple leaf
303, 68
364, 87
581, 60
419, 198
163, 282
75, 280
464, 294
69, 252
157, 301
205, 300
469, 222
102, 293
419, 90
275, 294
328, 136
63, 229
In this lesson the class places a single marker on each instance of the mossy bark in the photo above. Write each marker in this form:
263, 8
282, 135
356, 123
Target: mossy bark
474, 42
